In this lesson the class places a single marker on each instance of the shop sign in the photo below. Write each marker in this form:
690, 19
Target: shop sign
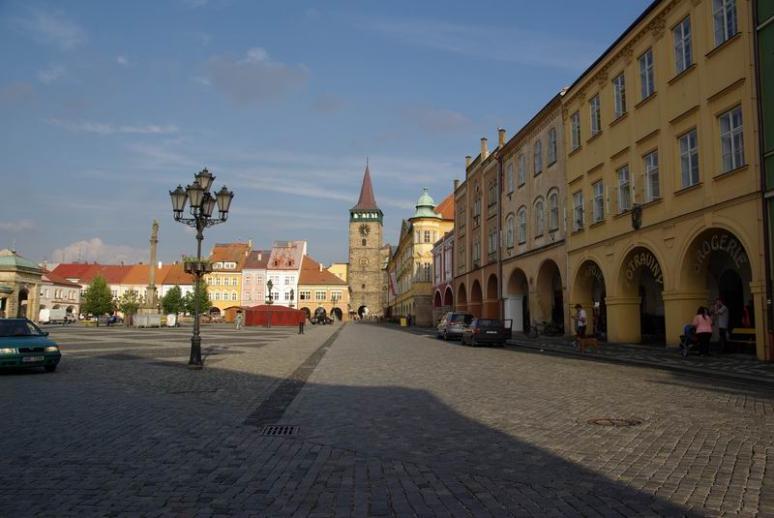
721, 242
592, 270
647, 260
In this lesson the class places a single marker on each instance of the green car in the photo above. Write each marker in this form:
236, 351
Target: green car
24, 345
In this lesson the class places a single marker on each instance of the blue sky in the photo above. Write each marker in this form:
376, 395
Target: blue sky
108, 105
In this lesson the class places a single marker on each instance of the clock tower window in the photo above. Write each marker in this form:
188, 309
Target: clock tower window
364, 242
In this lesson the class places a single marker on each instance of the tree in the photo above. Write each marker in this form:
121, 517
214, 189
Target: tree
172, 302
97, 299
204, 300
128, 304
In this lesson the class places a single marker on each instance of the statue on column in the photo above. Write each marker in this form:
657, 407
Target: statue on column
151, 294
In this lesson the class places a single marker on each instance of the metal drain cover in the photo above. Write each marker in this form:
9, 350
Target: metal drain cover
279, 429
615, 422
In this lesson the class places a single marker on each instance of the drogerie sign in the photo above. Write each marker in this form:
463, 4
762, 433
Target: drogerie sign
720, 242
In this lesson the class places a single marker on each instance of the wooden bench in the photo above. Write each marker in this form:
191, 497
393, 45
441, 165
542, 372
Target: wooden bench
742, 338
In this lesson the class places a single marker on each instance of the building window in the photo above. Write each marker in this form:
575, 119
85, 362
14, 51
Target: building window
522, 225
732, 139
233, 296
364, 242
476, 253
522, 170
683, 50
553, 211
619, 95
540, 216
538, 162
624, 189
575, 130
304, 295
509, 177
427, 236
577, 200
598, 209
725, 20
492, 194
652, 190
689, 159
509, 231
492, 242
551, 146
335, 296
319, 295
596, 116
647, 80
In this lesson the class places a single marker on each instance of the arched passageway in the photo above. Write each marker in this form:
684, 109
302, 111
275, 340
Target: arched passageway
491, 308
337, 314
462, 298
549, 307
517, 301
448, 298
474, 307
590, 292
639, 307
23, 301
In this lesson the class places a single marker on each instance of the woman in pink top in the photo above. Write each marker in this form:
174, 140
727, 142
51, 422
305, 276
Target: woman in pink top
703, 324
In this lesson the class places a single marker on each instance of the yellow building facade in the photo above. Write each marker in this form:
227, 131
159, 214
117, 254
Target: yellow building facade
664, 200
224, 283
410, 268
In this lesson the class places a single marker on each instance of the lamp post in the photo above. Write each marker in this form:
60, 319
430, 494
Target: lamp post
201, 204
269, 301
292, 297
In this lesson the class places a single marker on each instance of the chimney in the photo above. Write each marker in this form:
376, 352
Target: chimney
468, 159
456, 184
484, 148
321, 268
160, 265
259, 255
500, 137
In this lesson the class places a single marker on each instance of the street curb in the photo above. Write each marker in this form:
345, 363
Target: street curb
640, 363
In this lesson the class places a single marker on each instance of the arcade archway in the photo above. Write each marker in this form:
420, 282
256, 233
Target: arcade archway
448, 298
590, 292
337, 314
550, 298
517, 301
462, 298
24, 295
491, 307
475, 299
640, 302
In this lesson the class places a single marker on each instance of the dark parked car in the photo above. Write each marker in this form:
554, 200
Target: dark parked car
25, 345
452, 324
485, 331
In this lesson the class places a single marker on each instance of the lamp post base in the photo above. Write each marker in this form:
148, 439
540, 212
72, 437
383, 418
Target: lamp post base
195, 360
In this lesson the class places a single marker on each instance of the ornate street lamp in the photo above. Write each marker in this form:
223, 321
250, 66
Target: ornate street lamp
201, 204
292, 297
269, 301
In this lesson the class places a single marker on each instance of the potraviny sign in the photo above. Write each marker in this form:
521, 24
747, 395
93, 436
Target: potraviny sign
644, 259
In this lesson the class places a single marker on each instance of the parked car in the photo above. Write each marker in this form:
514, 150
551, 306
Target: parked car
485, 331
25, 345
452, 324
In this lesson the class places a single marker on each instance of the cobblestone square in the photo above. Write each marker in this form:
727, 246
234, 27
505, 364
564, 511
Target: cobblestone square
388, 424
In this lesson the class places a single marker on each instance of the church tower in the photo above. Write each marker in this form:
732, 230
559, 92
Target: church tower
365, 259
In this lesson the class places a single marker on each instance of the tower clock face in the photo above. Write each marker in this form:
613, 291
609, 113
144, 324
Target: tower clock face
364, 230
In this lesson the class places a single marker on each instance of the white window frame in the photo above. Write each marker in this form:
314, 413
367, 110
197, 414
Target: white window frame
683, 46
522, 172
724, 16
647, 78
509, 177
577, 209
551, 153
688, 143
509, 221
575, 130
619, 94
624, 177
540, 216
538, 158
731, 139
595, 114
553, 211
320, 295
598, 207
522, 230
651, 173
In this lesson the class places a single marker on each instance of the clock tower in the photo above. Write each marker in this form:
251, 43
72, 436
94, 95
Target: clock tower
365, 256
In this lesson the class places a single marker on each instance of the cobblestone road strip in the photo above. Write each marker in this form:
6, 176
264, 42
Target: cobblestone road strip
272, 408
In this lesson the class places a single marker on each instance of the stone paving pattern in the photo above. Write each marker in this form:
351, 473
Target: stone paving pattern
391, 424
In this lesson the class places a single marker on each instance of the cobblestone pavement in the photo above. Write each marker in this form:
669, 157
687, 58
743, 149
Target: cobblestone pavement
389, 423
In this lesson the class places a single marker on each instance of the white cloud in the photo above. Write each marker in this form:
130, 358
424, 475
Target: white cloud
121, 60
103, 128
51, 74
435, 119
21, 225
53, 28
255, 77
511, 44
95, 249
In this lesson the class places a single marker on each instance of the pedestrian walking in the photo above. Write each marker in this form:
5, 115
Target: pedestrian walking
580, 321
301, 323
721, 318
703, 324
238, 320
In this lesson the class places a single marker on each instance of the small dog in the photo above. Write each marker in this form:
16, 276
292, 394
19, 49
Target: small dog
586, 343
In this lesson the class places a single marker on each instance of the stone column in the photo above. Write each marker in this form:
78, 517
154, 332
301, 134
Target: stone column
623, 319
151, 298
679, 309
763, 349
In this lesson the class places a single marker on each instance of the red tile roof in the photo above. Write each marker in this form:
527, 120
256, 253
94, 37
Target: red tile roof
313, 274
230, 252
58, 279
71, 270
286, 255
176, 276
257, 260
446, 207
